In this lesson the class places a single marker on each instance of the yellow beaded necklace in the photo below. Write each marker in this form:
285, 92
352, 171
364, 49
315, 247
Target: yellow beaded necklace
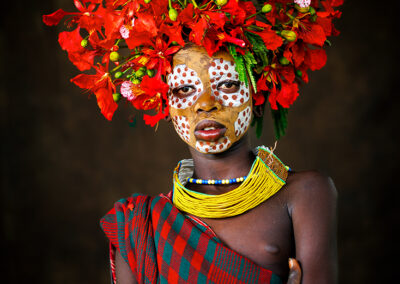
266, 177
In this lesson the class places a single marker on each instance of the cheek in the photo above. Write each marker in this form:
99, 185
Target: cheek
181, 124
243, 121
180, 76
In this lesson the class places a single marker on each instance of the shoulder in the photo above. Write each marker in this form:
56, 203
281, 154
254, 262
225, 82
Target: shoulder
310, 187
125, 208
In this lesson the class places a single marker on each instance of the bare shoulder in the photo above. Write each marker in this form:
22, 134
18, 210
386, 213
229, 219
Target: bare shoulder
310, 187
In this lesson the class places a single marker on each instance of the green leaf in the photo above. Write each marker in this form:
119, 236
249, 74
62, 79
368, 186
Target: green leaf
259, 48
280, 121
239, 62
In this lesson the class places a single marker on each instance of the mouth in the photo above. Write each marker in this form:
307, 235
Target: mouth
209, 130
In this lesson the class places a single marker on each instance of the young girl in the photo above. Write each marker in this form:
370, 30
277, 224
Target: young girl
233, 214
244, 213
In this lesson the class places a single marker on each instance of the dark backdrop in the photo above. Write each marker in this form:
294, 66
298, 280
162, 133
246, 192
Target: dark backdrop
63, 165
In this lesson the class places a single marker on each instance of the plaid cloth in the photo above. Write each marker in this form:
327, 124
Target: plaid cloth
161, 245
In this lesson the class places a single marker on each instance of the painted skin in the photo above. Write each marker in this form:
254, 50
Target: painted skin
210, 108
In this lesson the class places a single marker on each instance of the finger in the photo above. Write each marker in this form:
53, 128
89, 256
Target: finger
295, 272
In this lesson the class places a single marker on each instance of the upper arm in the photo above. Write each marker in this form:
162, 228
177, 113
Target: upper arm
313, 211
123, 272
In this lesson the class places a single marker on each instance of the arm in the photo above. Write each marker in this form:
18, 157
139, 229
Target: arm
123, 272
313, 211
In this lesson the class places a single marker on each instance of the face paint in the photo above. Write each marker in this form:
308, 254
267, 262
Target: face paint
183, 76
182, 127
210, 108
224, 71
242, 121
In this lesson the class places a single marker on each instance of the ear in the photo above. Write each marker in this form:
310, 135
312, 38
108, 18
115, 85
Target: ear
167, 118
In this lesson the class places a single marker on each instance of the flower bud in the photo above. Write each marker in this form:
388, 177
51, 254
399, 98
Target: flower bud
266, 8
284, 61
140, 73
302, 9
84, 42
299, 73
114, 56
289, 35
118, 75
221, 2
151, 72
312, 11
147, 1
136, 81
116, 97
173, 14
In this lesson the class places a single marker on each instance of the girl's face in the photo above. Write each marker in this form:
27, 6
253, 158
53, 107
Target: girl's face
210, 108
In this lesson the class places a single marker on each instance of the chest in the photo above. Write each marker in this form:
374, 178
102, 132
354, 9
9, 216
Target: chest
263, 234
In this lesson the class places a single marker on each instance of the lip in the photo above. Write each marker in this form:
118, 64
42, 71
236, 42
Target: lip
214, 134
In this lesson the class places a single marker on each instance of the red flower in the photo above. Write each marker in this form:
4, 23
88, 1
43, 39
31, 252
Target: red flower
86, 17
279, 81
155, 93
311, 33
287, 94
271, 39
81, 57
158, 55
101, 85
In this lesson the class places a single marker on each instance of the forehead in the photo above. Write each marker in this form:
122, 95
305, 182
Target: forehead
196, 58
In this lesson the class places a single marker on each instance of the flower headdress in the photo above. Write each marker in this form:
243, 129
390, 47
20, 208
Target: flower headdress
130, 43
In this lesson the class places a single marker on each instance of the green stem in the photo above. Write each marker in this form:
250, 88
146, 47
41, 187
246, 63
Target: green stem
122, 64
126, 70
253, 28
182, 4
194, 4
251, 16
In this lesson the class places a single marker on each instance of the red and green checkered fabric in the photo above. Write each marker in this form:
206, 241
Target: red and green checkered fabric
161, 245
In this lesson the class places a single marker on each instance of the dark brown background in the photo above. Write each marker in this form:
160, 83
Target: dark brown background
63, 165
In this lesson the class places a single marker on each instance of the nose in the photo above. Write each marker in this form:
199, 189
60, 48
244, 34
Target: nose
207, 102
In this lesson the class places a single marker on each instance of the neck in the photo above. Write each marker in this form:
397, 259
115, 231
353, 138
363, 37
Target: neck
232, 163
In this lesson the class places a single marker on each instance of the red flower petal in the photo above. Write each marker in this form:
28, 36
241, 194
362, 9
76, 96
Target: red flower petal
82, 60
54, 18
70, 41
106, 102
153, 120
298, 54
315, 59
271, 39
314, 35
288, 94
85, 81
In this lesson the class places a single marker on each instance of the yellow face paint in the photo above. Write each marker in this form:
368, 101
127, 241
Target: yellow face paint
210, 108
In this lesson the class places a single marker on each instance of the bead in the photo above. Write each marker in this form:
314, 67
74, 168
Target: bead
216, 181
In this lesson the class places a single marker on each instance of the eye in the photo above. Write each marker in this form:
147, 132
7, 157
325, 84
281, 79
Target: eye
183, 91
228, 86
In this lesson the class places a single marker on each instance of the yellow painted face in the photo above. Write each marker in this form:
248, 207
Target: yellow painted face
210, 108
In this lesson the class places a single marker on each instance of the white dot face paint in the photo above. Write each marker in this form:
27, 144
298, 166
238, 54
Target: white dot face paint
224, 71
243, 121
182, 76
213, 147
181, 124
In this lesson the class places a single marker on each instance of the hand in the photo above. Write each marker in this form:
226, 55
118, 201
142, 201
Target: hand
295, 272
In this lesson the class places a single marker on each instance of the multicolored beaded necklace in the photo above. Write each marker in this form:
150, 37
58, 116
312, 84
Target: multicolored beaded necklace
216, 181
